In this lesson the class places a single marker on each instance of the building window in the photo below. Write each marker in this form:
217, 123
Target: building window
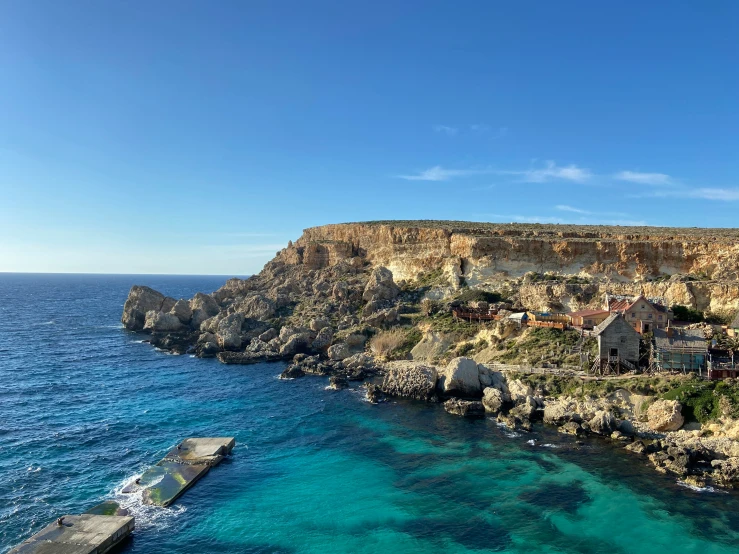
659, 317
649, 316
643, 307
633, 315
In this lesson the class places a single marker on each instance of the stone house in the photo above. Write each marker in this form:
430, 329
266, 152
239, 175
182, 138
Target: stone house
642, 314
618, 345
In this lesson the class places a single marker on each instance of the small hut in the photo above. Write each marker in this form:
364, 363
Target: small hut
618, 346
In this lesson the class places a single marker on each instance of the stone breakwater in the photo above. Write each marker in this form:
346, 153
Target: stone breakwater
318, 302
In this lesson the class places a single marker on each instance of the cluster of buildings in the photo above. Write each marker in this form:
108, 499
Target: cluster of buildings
619, 326
643, 314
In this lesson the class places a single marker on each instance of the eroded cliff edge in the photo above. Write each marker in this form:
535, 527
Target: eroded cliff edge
344, 300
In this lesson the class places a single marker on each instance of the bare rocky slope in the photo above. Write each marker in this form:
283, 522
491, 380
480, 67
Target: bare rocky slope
346, 300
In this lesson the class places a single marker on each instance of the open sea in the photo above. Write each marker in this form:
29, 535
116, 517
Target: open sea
85, 406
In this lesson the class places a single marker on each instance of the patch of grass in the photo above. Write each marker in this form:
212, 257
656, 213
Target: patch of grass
395, 344
430, 278
477, 295
469, 348
698, 400
542, 344
444, 322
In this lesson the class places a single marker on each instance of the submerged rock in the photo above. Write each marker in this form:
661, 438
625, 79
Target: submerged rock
465, 408
293, 371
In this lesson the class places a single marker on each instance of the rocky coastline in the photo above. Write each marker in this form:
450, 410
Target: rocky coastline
327, 307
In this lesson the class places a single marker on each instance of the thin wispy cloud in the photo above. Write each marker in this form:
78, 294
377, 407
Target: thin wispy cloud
563, 208
701, 193
644, 178
445, 129
551, 171
438, 173
572, 209
480, 127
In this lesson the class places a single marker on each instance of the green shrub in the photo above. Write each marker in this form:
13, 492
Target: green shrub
477, 295
683, 313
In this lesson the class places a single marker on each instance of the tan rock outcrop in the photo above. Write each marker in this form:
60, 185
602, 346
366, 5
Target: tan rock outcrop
664, 415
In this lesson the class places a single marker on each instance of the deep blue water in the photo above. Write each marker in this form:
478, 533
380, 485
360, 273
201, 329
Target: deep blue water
85, 406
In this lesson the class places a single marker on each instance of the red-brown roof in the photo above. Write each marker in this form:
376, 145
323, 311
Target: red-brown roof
619, 305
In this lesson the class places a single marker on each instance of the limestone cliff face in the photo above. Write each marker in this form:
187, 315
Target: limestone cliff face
616, 259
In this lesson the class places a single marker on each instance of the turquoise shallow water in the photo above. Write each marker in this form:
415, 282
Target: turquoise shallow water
85, 406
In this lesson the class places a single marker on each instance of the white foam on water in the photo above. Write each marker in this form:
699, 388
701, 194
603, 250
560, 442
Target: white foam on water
512, 434
700, 489
146, 515
34, 469
531, 442
549, 445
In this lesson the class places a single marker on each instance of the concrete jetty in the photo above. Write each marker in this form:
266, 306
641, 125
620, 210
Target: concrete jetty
180, 469
82, 534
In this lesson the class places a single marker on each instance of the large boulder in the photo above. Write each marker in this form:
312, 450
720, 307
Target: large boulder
268, 335
410, 380
319, 323
229, 331
380, 286
140, 301
203, 307
559, 411
603, 423
323, 339
382, 317
182, 311
492, 399
257, 307
519, 390
460, 378
464, 408
160, 322
339, 351
288, 331
665, 415
295, 344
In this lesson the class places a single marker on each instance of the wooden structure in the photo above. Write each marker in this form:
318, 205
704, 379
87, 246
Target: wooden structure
548, 317
721, 364
677, 349
618, 346
548, 324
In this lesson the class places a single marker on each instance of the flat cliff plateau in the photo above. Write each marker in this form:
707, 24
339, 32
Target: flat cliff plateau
694, 267
371, 302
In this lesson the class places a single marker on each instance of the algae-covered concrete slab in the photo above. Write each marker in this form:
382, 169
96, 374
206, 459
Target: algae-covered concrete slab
83, 534
183, 465
200, 450
165, 482
108, 508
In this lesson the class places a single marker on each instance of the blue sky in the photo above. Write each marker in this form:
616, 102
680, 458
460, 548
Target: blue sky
198, 137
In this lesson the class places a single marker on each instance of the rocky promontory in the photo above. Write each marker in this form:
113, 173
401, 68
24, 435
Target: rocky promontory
371, 302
